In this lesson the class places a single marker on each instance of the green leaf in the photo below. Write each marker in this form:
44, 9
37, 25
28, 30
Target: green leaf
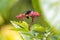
22, 24
20, 30
28, 34
39, 36
37, 27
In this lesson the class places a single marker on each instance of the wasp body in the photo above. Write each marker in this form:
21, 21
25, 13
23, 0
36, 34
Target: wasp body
27, 14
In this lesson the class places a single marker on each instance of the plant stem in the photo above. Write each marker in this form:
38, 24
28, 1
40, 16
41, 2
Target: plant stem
48, 34
31, 24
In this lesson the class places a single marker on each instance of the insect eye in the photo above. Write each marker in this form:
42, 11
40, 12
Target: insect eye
27, 17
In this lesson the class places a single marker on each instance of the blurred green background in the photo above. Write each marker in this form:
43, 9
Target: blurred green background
8, 11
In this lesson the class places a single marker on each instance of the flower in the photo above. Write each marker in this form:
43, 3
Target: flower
33, 14
28, 14
21, 16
